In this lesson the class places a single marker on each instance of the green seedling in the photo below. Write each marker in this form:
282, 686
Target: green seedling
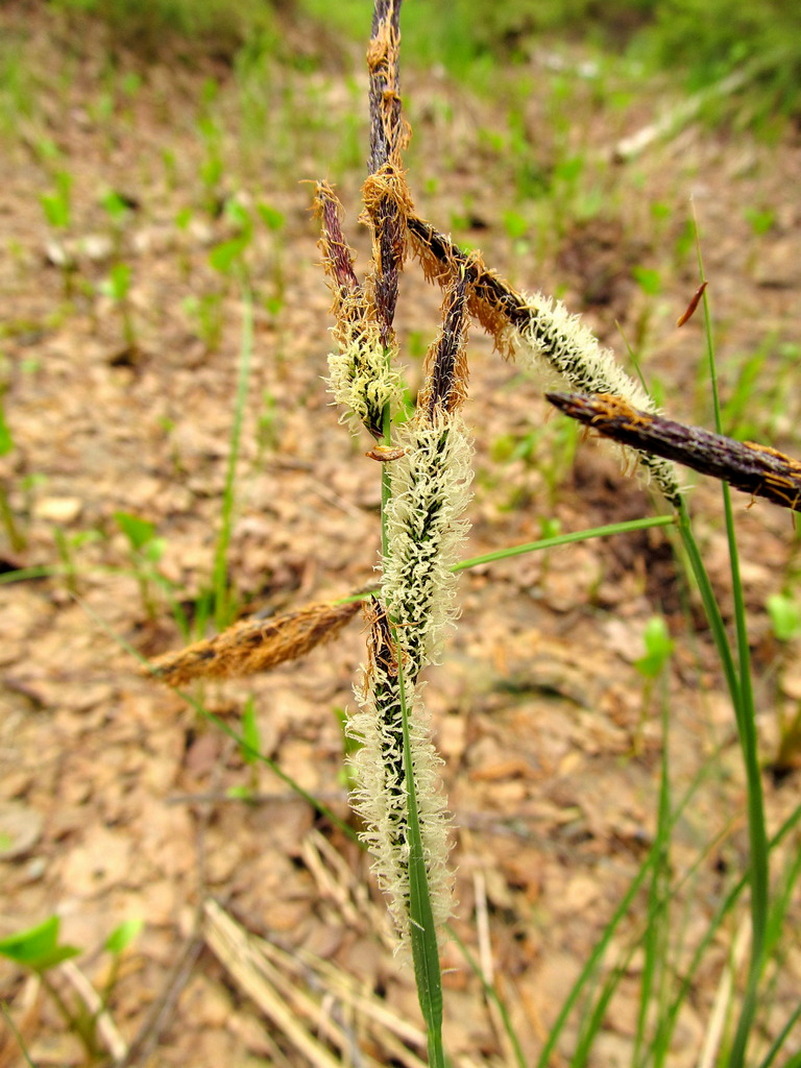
648, 279
207, 313
57, 207
268, 433
146, 550
658, 649
761, 220
67, 545
275, 221
14, 536
39, 950
785, 618
117, 287
250, 751
228, 257
212, 167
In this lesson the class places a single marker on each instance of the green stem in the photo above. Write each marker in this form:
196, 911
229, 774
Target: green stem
220, 586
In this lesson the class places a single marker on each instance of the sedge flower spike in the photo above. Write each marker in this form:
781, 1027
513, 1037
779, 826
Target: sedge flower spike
424, 529
381, 793
361, 375
558, 341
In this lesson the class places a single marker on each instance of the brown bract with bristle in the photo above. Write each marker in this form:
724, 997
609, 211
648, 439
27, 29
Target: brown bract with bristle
491, 300
255, 645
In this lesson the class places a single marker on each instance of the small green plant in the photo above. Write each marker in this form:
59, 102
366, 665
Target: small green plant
250, 750
784, 612
57, 207
67, 547
212, 167
40, 950
14, 535
145, 550
117, 287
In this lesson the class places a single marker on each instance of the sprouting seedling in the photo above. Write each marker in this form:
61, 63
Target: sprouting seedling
120, 939
117, 287
275, 221
785, 617
212, 167
146, 550
228, 257
67, 546
250, 750
658, 648
57, 207
207, 312
651, 666
119, 208
15, 538
40, 950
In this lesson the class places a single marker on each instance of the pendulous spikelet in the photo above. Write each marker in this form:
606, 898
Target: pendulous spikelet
540, 331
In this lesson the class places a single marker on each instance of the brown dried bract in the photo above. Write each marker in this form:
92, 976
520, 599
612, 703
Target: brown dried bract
690, 311
381, 649
255, 645
385, 453
491, 300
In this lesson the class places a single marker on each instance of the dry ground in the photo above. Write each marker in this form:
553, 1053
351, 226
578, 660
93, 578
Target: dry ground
551, 755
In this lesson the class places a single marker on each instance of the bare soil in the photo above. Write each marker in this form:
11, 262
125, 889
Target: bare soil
551, 742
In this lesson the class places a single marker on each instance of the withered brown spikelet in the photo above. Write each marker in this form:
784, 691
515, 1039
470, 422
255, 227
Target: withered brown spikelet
755, 469
491, 300
255, 645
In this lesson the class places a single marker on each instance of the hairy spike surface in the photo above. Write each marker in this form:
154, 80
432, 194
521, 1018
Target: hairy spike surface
381, 793
425, 526
559, 342
362, 375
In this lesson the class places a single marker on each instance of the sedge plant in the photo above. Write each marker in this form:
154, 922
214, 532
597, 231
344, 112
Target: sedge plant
424, 461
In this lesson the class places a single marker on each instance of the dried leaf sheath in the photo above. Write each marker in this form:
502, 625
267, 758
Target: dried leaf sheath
255, 645
754, 469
